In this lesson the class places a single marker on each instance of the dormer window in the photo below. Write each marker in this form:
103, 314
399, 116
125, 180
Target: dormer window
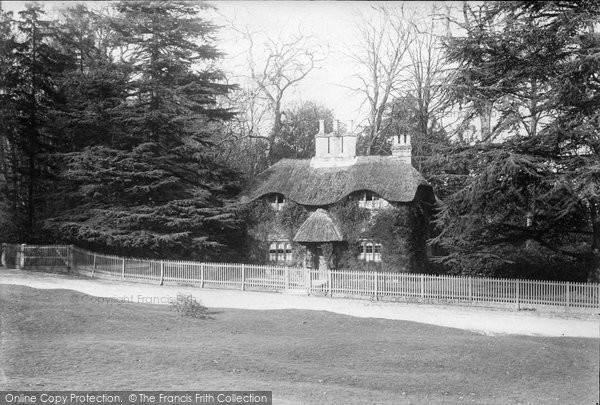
371, 201
277, 201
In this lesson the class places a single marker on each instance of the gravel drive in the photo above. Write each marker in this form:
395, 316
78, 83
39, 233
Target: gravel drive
477, 319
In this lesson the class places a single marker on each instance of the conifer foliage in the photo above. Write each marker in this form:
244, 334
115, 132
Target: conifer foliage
151, 186
536, 192
29, 97
109, 115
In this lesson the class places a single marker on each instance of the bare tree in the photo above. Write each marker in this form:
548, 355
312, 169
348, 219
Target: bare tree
242, 141
425, 92
275, 65
380, 57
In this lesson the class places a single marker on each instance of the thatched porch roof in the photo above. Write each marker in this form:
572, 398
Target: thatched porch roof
386, 176
318, 227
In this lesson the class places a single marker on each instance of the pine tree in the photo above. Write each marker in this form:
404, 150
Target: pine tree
531, 186
151, 186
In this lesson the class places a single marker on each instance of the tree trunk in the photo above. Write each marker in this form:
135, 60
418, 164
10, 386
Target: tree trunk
3, 164
30, 190
275, 133
594, 267
486, 121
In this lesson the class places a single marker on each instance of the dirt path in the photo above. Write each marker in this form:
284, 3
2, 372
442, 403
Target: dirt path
481, 320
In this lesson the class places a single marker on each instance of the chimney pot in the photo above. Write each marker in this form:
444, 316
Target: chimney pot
402, 148
336, 149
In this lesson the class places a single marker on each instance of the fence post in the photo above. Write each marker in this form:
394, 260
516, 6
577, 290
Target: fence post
470, 288
243, 276
308, 280
201, 275
568, 294
94, 268
376, 285
518, 288
287, 278
123, 270
329, 286
21, 255
70, 259
162, 272
422, 286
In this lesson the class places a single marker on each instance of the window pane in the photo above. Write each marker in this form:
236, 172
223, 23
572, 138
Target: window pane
288, 252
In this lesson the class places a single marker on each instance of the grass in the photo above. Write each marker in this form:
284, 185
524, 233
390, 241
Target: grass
58, 339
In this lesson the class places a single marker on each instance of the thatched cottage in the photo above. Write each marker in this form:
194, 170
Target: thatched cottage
325, 208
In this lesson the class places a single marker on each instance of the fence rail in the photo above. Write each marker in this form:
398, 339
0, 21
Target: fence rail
332, 283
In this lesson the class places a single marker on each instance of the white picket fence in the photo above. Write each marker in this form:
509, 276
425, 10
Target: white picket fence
333, 283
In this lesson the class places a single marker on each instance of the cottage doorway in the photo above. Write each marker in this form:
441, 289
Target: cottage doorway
321, 260
312, 257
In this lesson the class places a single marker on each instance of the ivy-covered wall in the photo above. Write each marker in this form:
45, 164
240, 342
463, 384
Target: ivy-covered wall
401, 229
262, 221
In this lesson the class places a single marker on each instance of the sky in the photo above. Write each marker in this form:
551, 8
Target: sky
330, 24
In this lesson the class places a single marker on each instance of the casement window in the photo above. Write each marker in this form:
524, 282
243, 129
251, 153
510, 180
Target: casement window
277, 201
280, 252
371, 251
371, 201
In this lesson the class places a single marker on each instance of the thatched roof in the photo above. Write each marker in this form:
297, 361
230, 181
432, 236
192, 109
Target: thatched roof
318, 227
387, 176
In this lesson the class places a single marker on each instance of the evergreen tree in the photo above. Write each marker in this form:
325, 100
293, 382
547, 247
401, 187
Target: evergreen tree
31, 65
96, 87
534, 191
150, 186
7, 206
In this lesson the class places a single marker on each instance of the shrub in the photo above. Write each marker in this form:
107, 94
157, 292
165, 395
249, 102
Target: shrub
187, 305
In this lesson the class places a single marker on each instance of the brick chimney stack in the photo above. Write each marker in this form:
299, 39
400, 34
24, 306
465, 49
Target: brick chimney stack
336, 148
402, 148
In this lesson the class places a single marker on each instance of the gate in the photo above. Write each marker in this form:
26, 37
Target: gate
298, 281
54, 257
306, 281
10, 255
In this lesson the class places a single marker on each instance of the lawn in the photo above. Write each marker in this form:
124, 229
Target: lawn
58, 339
